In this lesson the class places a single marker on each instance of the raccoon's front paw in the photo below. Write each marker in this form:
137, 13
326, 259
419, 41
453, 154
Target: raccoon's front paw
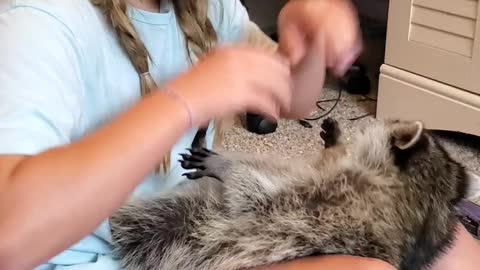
203, 161
330, 132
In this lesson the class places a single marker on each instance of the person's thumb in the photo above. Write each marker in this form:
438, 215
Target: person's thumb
291, 43
264, 104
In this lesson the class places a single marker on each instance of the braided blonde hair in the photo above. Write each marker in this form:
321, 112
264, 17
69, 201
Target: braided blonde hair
192, 18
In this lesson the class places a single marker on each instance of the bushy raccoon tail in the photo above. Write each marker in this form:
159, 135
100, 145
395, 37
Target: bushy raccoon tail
145, 232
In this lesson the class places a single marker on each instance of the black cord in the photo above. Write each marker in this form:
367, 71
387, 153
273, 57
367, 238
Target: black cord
360, 117
304, 122
337, 100
365, 98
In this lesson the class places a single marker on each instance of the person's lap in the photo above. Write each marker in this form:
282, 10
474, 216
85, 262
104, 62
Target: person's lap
340, 262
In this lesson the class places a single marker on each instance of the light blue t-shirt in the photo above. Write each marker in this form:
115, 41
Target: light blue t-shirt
63, 75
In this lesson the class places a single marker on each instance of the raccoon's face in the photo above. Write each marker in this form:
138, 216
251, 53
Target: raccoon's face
408, 150
378, 143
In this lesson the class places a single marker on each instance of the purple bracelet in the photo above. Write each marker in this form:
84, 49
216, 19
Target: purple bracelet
469, 215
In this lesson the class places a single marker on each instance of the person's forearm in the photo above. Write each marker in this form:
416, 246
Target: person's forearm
54, 199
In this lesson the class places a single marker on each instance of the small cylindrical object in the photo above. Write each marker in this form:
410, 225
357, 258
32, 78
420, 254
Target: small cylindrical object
260, 125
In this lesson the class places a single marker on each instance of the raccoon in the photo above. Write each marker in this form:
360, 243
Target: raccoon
388, 194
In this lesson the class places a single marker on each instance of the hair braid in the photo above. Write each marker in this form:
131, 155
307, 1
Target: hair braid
115, 13
200, 38
192, 17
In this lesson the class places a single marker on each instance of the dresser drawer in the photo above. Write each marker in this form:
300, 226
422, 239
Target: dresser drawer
404, 95
438, 39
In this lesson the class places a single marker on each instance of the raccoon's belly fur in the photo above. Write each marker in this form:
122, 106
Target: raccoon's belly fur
242, 212
196, 232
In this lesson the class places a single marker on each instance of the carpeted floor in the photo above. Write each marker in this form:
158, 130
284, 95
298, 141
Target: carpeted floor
292, 139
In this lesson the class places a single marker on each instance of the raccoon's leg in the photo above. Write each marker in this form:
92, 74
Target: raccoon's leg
199, 139
330, 132
248, 177
240, 167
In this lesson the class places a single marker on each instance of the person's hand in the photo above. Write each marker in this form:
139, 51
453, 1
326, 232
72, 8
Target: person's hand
306, 23
235, 80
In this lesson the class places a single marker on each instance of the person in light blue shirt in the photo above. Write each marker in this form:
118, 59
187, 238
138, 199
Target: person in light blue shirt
95, 95
65, 74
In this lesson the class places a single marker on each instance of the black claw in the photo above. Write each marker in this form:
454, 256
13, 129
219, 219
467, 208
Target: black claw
199, 153
209, 151
193, 158
188, 165
203, 152
183, 164
193, 175
213, 153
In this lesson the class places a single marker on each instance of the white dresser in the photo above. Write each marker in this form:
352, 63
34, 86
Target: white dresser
432, 64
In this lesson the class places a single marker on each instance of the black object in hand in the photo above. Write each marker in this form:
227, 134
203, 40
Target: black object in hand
259, 124
356, 81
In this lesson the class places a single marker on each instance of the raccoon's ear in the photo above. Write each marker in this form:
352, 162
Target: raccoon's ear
406, 134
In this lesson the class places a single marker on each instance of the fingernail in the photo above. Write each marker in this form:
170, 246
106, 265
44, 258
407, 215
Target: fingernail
347, 61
